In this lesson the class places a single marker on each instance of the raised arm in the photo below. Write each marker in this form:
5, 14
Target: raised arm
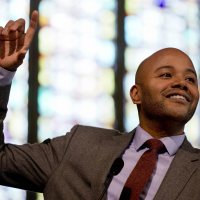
15, 42
27, 166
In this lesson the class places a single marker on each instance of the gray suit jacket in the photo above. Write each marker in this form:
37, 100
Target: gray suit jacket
75, 166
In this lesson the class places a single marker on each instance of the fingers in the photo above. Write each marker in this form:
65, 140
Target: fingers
6, 28
31, 30
2, 49
14, 42
13, 30
1, 29
18, 25
14, 33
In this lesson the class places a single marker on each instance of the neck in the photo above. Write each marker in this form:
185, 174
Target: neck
162, 128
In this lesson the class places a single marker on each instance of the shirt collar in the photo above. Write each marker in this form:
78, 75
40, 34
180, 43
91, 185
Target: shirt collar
171, 143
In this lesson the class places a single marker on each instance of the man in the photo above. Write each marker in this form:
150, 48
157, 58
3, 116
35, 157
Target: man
81, 164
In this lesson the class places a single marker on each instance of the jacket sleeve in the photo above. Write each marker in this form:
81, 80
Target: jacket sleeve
4, 95
29, 166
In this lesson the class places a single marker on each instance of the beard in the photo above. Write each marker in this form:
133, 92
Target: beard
162, 111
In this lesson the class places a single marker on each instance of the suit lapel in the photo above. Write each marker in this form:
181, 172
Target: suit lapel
181, 169
111, 150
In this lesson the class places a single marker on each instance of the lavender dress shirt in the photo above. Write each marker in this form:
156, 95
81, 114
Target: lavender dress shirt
133, 154
6, 77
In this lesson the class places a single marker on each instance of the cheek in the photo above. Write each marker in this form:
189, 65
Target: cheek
149, 95
195, 94
197, 99
153, 89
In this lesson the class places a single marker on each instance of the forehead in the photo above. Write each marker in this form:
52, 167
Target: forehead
171, 59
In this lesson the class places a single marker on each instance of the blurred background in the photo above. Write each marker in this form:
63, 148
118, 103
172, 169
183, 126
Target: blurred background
82, 64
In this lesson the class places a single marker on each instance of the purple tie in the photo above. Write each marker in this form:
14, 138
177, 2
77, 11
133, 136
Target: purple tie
143, 170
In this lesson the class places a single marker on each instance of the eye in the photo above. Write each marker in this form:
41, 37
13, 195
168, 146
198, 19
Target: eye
166, 75
191, 79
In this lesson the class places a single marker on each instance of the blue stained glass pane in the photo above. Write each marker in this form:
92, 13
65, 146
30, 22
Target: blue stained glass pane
161, 3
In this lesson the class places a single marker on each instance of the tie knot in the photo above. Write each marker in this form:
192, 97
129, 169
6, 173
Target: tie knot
155, 145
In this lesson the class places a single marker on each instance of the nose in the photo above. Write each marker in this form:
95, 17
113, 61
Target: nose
180, 83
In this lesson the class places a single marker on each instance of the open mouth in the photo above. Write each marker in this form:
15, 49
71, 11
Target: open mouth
180, 97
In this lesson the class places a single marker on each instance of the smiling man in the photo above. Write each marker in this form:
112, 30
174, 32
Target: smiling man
166, 92
154, 161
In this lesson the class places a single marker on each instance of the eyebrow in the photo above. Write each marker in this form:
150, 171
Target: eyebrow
171, 67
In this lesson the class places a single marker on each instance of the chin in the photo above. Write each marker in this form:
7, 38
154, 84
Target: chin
179, 117
164, 112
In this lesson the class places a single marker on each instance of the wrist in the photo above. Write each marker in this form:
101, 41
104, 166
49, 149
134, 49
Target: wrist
6, 76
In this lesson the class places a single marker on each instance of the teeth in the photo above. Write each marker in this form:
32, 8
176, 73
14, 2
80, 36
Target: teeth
177, 97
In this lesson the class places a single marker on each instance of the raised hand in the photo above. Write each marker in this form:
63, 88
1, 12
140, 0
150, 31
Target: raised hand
14, 42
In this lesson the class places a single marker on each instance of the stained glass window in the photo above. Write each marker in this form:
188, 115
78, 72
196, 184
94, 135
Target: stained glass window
16, 121
155, 24
77, 53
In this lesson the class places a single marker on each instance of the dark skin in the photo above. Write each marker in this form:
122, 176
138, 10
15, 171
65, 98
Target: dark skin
166, 92
15, 42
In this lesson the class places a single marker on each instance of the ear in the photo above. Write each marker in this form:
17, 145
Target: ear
135, 94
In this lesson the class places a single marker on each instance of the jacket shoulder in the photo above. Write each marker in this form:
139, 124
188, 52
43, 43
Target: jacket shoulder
94, 132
